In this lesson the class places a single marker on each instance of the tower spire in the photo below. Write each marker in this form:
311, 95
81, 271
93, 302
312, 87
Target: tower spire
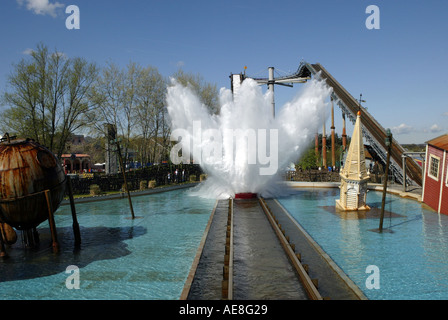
354, 175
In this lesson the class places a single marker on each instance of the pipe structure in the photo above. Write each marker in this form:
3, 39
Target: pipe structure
271, 89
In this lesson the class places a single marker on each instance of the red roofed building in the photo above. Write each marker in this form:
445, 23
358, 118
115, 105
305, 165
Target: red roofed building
435, 185
76, 163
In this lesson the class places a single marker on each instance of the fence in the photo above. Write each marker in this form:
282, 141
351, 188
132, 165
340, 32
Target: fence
161, 174
313, 176
329, 176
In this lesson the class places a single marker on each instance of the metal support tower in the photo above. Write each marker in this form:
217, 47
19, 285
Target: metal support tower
300, 76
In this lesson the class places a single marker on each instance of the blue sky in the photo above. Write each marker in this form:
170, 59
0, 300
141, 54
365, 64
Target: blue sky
400, 69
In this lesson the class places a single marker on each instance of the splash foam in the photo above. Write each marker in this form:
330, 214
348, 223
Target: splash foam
225, 146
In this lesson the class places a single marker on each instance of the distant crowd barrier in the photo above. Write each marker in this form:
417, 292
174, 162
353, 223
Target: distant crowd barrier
137, 179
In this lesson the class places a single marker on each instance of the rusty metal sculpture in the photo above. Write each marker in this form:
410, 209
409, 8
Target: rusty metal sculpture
32, 186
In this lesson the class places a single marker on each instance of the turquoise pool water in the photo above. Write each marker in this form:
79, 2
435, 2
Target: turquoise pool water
150, 257
120, 258
412, 260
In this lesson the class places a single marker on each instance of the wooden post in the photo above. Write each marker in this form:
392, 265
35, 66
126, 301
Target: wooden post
51, 222
324, 147
36, 236
344, 133
383, 202
76, 231
333, 155
403, 157
123, 170
3, 253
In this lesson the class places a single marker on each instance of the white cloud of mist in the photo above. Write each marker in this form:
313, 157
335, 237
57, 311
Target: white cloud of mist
42, 7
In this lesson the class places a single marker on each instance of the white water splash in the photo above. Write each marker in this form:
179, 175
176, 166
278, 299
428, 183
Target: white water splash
297, 121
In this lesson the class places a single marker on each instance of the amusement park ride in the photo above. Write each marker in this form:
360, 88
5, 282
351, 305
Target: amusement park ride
402, 167
33, 183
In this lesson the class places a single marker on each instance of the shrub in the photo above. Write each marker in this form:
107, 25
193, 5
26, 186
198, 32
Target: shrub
123, 187
95, 190
152, 184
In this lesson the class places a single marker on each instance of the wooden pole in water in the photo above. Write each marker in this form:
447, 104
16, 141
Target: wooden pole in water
123, 170
383, 202
3, 253
76, 231
51, 222
333, 155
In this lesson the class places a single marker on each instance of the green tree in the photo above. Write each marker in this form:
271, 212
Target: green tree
207, 92
47, 97
151, 119
308, 159
109, 96
133, 100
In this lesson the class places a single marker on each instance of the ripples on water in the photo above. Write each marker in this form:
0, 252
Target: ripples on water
412, 259
120, 258
150, 257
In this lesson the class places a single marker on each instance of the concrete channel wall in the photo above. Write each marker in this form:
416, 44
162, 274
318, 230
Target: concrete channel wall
122, 195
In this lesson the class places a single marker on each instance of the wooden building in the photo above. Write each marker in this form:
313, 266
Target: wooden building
435, 184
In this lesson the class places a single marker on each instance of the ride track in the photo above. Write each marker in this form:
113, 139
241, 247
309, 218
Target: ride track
253, 264
252, 249
374, 133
